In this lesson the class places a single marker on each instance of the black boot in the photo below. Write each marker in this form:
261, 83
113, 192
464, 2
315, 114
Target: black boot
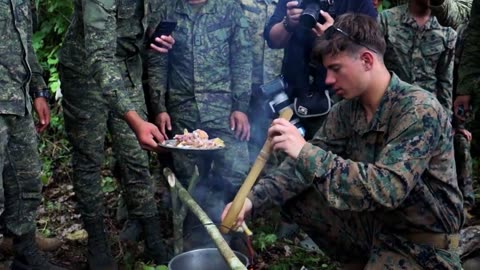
28, 256
154, 248
99, 256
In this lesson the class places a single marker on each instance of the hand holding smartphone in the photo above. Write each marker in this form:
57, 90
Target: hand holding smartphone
164, 28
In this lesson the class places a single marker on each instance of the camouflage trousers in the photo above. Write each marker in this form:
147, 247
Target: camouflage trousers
463, 161
20, 167
360, 237
225, 169
87, 121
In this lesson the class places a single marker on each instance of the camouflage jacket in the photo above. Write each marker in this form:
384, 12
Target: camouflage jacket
469, 68
104, 41
421, 56
448, 12
20, 72
267, 63
210, 66
400, 165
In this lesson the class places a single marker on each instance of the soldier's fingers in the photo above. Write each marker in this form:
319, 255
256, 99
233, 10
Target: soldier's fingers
162, 129
225, 210
168, 39
164, 42
169, 124
277, 129
292, 4
244, 133
157, 136
158, 49
248, 133
238, 130
328, 19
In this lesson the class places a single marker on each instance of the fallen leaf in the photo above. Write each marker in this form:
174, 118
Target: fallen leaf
77, 235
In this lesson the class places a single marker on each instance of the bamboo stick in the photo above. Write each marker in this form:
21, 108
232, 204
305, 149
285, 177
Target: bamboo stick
233, 262
237, 205
179, 214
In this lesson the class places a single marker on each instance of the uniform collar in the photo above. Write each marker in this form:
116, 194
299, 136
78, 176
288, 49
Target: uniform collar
380, 119
408, 19
183, 7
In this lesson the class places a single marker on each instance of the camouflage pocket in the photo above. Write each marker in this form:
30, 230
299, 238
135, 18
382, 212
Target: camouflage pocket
432, 51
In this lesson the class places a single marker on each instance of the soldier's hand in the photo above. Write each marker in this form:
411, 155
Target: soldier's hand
240, 125
285, 137
465, 133
461, 101
319, 28
43, 112
147, 133
293, 13
163, 122
246, 209
166, 42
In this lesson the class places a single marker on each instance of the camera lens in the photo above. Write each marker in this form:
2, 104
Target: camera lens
310, 15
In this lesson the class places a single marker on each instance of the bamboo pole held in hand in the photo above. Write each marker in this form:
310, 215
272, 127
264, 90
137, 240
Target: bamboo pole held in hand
237, 205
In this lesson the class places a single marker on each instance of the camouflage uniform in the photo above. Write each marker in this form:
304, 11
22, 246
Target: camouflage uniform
208, 75
101, 73
422, 56
469, 70
428, 62
448, 12
366, 187
267, 64
20, 73
462, 146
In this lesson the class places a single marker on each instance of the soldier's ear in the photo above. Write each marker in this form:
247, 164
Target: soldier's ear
367, 59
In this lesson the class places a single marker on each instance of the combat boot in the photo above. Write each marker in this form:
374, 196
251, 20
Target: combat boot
154, 248
131, 231
99, 256
28, 256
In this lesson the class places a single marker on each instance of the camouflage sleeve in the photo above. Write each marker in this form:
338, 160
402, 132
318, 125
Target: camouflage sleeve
383, 22
444, 72
451, 12
157, 68
99, 18
240, 60
358, 186
37, 82
469, 68
285, 181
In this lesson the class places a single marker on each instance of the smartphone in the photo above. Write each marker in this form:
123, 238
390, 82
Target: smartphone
164, 28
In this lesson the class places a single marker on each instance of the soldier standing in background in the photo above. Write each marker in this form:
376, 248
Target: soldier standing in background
20, 168
101, 74
448, 12
419, 50
204, 83
267, 64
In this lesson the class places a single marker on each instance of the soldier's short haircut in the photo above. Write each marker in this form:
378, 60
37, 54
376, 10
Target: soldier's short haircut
350, 33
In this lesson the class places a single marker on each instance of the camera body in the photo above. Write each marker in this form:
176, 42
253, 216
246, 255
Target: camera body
311, 11
274, 91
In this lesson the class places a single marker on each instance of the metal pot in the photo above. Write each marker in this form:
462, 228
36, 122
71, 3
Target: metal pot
203, 259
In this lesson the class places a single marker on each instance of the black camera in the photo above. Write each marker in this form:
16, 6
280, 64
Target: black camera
274, 91
311, 11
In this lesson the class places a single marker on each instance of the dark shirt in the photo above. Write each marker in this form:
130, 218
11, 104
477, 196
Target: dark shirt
296, 63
